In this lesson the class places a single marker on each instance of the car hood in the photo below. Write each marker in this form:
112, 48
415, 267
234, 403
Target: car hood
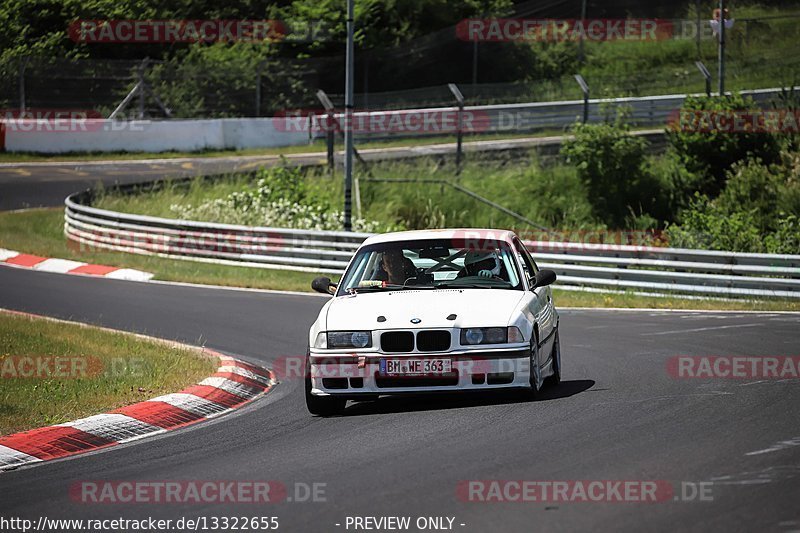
472, 307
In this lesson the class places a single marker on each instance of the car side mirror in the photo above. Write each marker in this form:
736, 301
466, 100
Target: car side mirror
323, 285
544, 278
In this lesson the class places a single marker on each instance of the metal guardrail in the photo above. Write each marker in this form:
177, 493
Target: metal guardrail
644, 111
638, 268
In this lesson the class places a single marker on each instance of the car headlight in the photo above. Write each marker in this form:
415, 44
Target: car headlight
471, 336
321, 341
349, 339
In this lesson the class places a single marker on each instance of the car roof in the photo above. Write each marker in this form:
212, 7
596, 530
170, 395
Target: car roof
450, 233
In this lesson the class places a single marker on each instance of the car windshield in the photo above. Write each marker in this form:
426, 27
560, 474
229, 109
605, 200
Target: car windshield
431, 264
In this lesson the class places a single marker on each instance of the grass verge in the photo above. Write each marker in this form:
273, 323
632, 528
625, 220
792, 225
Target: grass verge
39, 231
79, 371
549, 194
564, 298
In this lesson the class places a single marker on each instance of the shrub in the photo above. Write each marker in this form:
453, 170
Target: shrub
713, 153
278, 199
748, 215
611, 164
789, 197
752, 187
705, 226
788, 100
786, 238
675, 185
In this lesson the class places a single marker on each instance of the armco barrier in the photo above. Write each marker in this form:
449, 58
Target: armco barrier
638, 268
641, 111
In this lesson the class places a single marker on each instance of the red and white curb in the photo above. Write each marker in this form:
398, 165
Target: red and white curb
234, 384
65, 266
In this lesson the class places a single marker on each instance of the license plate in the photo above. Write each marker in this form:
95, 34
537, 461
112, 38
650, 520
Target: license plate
402, 367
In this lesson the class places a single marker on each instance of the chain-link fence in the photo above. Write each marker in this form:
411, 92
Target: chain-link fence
265, 87
185, 91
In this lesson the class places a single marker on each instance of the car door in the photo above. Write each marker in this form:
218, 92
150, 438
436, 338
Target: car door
541, 305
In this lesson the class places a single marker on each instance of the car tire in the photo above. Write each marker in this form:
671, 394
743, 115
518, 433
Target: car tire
321, 405
535, 373
324, 405
555, 379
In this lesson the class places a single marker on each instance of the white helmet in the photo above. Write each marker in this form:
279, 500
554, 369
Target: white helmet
477, 260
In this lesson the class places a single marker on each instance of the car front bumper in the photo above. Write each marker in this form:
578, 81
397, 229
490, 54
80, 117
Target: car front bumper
354, 375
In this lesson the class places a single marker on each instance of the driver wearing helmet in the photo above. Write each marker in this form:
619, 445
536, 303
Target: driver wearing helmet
481, 263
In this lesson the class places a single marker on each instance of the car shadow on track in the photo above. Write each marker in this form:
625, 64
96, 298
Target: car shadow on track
442, 400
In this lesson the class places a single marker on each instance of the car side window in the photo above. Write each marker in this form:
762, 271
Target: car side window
527, 254
527, 261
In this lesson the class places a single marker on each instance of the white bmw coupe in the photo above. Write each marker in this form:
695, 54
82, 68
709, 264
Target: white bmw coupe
435, 310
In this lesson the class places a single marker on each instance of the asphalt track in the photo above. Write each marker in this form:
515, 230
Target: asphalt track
617, 416
46, 184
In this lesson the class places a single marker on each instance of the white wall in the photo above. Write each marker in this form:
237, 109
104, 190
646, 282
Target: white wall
101, 135
259, 133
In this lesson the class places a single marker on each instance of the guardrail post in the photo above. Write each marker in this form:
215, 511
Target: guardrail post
329, 132
459, 132
706, 74
329, 140
585, 89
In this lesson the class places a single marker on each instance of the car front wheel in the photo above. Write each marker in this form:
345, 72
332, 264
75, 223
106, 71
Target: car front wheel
321, 405
555, 379
535, 371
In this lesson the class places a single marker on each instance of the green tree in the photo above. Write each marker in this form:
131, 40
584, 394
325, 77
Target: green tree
611, 164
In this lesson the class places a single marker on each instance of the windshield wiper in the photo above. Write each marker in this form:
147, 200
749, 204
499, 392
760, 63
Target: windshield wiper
473, 285
374, 288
